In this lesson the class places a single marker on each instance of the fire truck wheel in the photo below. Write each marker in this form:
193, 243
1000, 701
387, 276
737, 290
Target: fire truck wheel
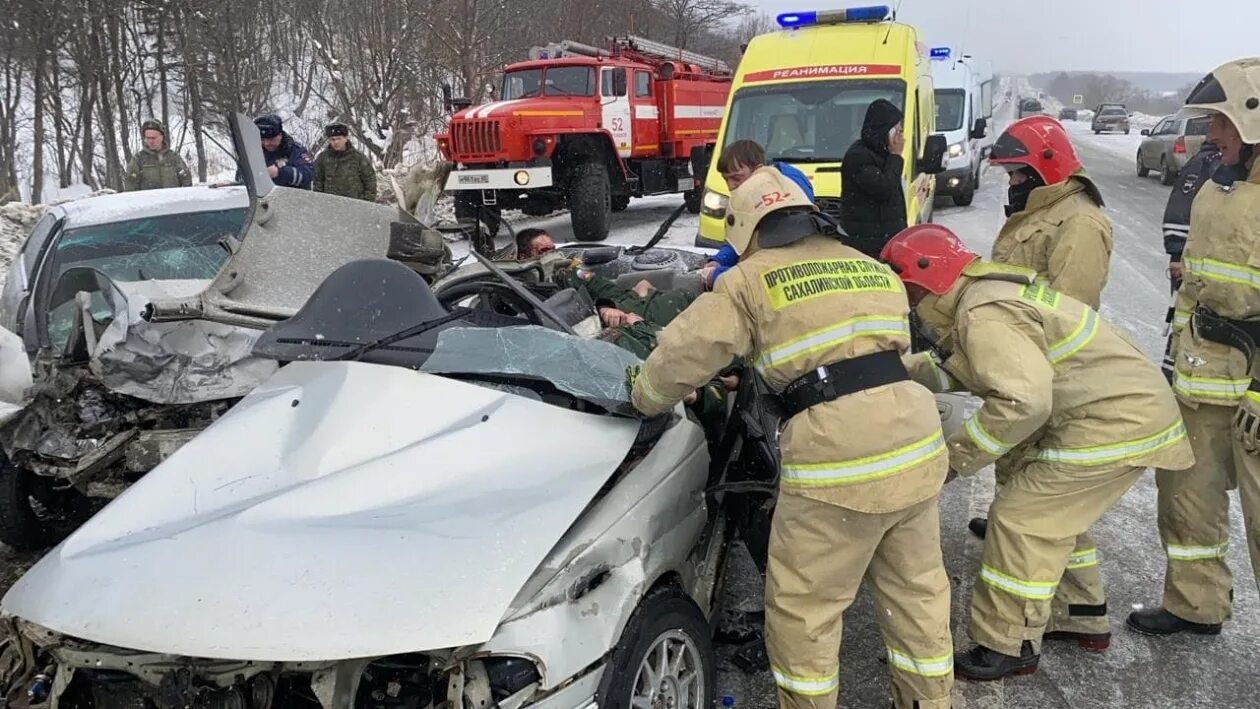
590, 202
692, 199
468, 209
620, 202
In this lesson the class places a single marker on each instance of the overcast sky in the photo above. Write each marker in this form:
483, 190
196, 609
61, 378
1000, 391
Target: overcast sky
1024, 36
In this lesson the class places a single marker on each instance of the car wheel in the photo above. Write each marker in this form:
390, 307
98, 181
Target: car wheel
965, 196
664, 658
1097, 132
1166, 174
590, 202
1126, 131
1142, 170
692, 199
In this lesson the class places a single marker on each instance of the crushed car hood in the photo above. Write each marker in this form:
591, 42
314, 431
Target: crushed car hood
340, 510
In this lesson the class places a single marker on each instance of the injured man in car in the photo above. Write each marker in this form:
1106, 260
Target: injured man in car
632, 319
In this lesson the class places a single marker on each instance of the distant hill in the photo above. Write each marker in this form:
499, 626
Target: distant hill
1148, 92
1156, 82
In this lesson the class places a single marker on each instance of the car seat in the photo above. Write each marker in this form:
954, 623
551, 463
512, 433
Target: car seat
785, 133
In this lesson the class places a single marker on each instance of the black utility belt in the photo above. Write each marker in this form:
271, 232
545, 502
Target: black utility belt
1242, 335
832, 381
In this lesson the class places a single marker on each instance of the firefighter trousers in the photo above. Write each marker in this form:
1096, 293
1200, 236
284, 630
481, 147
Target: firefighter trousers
819, 554
1037, 530
1194, 516
1079, 604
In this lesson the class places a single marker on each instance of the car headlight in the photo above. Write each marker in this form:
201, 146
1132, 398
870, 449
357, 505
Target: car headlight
956, 150
714, 204
521, 178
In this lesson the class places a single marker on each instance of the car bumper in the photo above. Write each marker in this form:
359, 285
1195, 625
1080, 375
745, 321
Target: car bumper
509, 178
952, 182
580, 694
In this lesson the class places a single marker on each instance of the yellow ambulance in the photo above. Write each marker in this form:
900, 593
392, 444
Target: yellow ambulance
802, 93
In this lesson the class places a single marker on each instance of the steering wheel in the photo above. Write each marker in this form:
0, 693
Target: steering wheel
492, 296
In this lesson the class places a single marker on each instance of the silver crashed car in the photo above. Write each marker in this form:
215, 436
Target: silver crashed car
136, 314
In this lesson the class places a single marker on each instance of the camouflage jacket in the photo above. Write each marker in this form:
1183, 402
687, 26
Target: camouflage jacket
348, 173
151, 170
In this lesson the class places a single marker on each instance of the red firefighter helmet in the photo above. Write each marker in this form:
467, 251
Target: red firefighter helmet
1038, 142
928, 255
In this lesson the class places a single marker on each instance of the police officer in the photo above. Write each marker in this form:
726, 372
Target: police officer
155, 166
1054, 226
1091, 412
288, 161
342, 169
1216, 374
862, 448
1192, 177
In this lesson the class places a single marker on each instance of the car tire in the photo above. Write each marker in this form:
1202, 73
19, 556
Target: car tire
692, 199
468, 209
1166, 174
1126, 131
1097, 132
26, 528
965, 197
667, 622
590, 202
1142, 170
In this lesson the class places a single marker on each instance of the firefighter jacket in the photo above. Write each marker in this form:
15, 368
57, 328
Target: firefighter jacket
1053, 374
788, 311
155, 169
1063, 235
1197, 171
348, 173
1222, 274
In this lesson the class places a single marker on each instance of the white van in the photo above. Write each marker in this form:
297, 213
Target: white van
964, 114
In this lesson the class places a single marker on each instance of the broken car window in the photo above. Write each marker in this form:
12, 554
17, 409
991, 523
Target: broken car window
588, 369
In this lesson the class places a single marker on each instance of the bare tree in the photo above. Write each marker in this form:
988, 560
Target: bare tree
692, 18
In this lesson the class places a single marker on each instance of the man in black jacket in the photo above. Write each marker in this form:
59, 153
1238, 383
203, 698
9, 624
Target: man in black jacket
1197, 171
872, 198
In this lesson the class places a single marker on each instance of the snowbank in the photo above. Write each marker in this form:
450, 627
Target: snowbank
17, 218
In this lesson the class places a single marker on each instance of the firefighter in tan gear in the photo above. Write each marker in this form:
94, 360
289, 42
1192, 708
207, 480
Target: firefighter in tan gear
863, 452
1216, 374
1055, 225
1092, 412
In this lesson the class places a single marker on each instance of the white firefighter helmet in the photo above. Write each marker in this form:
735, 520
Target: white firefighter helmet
765, 192
1233, 90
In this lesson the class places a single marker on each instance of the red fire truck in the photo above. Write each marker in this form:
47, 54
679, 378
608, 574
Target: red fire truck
587, 128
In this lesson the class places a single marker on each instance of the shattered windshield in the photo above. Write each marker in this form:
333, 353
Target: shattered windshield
588, 369
165, 248
170, 247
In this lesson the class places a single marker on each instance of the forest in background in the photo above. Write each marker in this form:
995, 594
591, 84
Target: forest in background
78, 77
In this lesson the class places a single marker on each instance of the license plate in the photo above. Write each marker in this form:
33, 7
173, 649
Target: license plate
473, 179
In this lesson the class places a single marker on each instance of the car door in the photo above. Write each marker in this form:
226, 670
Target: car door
646, 119
1167, 136
1150, 149
615, 109
22, 273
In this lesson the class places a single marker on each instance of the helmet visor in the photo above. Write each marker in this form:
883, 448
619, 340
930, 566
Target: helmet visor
1207, 91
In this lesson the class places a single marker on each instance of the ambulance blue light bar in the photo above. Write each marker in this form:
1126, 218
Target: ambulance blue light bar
939, 53
871, 13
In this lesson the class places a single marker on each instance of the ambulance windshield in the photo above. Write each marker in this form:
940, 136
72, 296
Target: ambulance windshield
949, 109
807, 122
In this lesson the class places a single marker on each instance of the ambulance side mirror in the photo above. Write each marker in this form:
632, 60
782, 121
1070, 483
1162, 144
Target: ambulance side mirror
980, 128
933, 160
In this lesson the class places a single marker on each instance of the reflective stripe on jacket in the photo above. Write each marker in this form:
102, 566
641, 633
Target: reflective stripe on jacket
1052, 372
1222, 274
790, 310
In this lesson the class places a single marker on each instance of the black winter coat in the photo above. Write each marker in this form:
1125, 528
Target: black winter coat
872, 199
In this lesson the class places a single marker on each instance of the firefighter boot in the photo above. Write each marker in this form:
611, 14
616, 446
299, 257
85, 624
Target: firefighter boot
979, 526
1157, 621
980, 664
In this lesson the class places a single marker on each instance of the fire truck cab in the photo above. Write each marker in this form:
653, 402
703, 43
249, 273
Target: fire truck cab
586, 129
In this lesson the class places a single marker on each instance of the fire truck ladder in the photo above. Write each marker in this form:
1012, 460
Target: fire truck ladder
665, 52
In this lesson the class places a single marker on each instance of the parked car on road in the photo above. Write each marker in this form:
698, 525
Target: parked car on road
1169, 145
1067, 114
1111, 117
